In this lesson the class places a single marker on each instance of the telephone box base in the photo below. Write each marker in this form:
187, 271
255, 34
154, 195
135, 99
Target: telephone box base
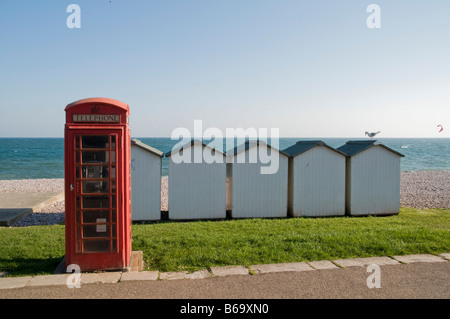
136, 264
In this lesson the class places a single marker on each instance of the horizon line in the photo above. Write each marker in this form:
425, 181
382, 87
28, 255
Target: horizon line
268, 137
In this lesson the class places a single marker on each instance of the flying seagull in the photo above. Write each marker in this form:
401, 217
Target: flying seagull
372, 134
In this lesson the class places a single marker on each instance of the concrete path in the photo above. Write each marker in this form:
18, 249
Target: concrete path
14, 206
412, 276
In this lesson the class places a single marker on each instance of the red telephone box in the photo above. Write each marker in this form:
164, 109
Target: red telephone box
97, 184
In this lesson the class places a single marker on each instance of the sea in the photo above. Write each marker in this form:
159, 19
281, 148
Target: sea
36, 158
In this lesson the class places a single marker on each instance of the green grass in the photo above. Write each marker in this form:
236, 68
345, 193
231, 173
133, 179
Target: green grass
35, 250
174, 246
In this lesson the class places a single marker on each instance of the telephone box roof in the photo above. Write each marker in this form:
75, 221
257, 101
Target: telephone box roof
99, 100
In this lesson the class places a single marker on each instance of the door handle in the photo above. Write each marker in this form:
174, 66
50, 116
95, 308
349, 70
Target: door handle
71, 187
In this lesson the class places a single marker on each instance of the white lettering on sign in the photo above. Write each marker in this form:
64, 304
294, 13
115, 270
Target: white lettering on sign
106, 118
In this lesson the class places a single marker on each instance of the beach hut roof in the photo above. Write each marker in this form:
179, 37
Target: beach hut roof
147, 148
303, 146
250, 143
192, 142
351, 148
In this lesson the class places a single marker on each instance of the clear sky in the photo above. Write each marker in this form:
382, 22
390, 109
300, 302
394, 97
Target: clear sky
309, 68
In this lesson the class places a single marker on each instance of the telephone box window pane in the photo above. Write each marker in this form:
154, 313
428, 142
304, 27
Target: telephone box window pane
113, 172
113, 201
94, 172
95, 201
79, 216
78, 243
113, 142
95, 187
92, 231
78, 231
95, 142
91, 246
91, 216
113, 156
113, 217
77, 157
89, 157
77, 142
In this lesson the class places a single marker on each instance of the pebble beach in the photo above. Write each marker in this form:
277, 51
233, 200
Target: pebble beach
418, 189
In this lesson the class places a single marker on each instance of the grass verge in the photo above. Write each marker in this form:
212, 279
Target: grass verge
175, 246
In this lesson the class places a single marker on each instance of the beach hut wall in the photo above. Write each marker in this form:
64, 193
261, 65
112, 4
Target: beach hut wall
197, 186
145, 182
316, 180
372, 178
254, 194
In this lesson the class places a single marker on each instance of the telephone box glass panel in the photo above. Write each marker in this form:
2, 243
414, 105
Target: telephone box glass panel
95, 179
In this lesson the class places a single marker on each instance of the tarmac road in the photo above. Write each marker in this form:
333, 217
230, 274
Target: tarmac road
282, 295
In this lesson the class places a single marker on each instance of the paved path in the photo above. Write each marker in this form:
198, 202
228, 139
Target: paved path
415, 277
420, 280
14, 206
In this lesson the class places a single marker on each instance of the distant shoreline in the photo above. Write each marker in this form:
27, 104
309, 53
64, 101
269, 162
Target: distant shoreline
418, 189
286, 137
34, 158
164, 175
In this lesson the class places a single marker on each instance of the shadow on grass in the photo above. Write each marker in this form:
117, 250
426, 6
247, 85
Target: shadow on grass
29, 266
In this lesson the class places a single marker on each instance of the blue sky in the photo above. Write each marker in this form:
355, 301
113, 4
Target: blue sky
309, 68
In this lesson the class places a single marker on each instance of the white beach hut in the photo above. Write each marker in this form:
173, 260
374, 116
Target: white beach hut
145, 182
372, 178
316, 180
197, 182
259, 181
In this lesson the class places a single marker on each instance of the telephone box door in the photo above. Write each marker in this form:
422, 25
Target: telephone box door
95, 238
